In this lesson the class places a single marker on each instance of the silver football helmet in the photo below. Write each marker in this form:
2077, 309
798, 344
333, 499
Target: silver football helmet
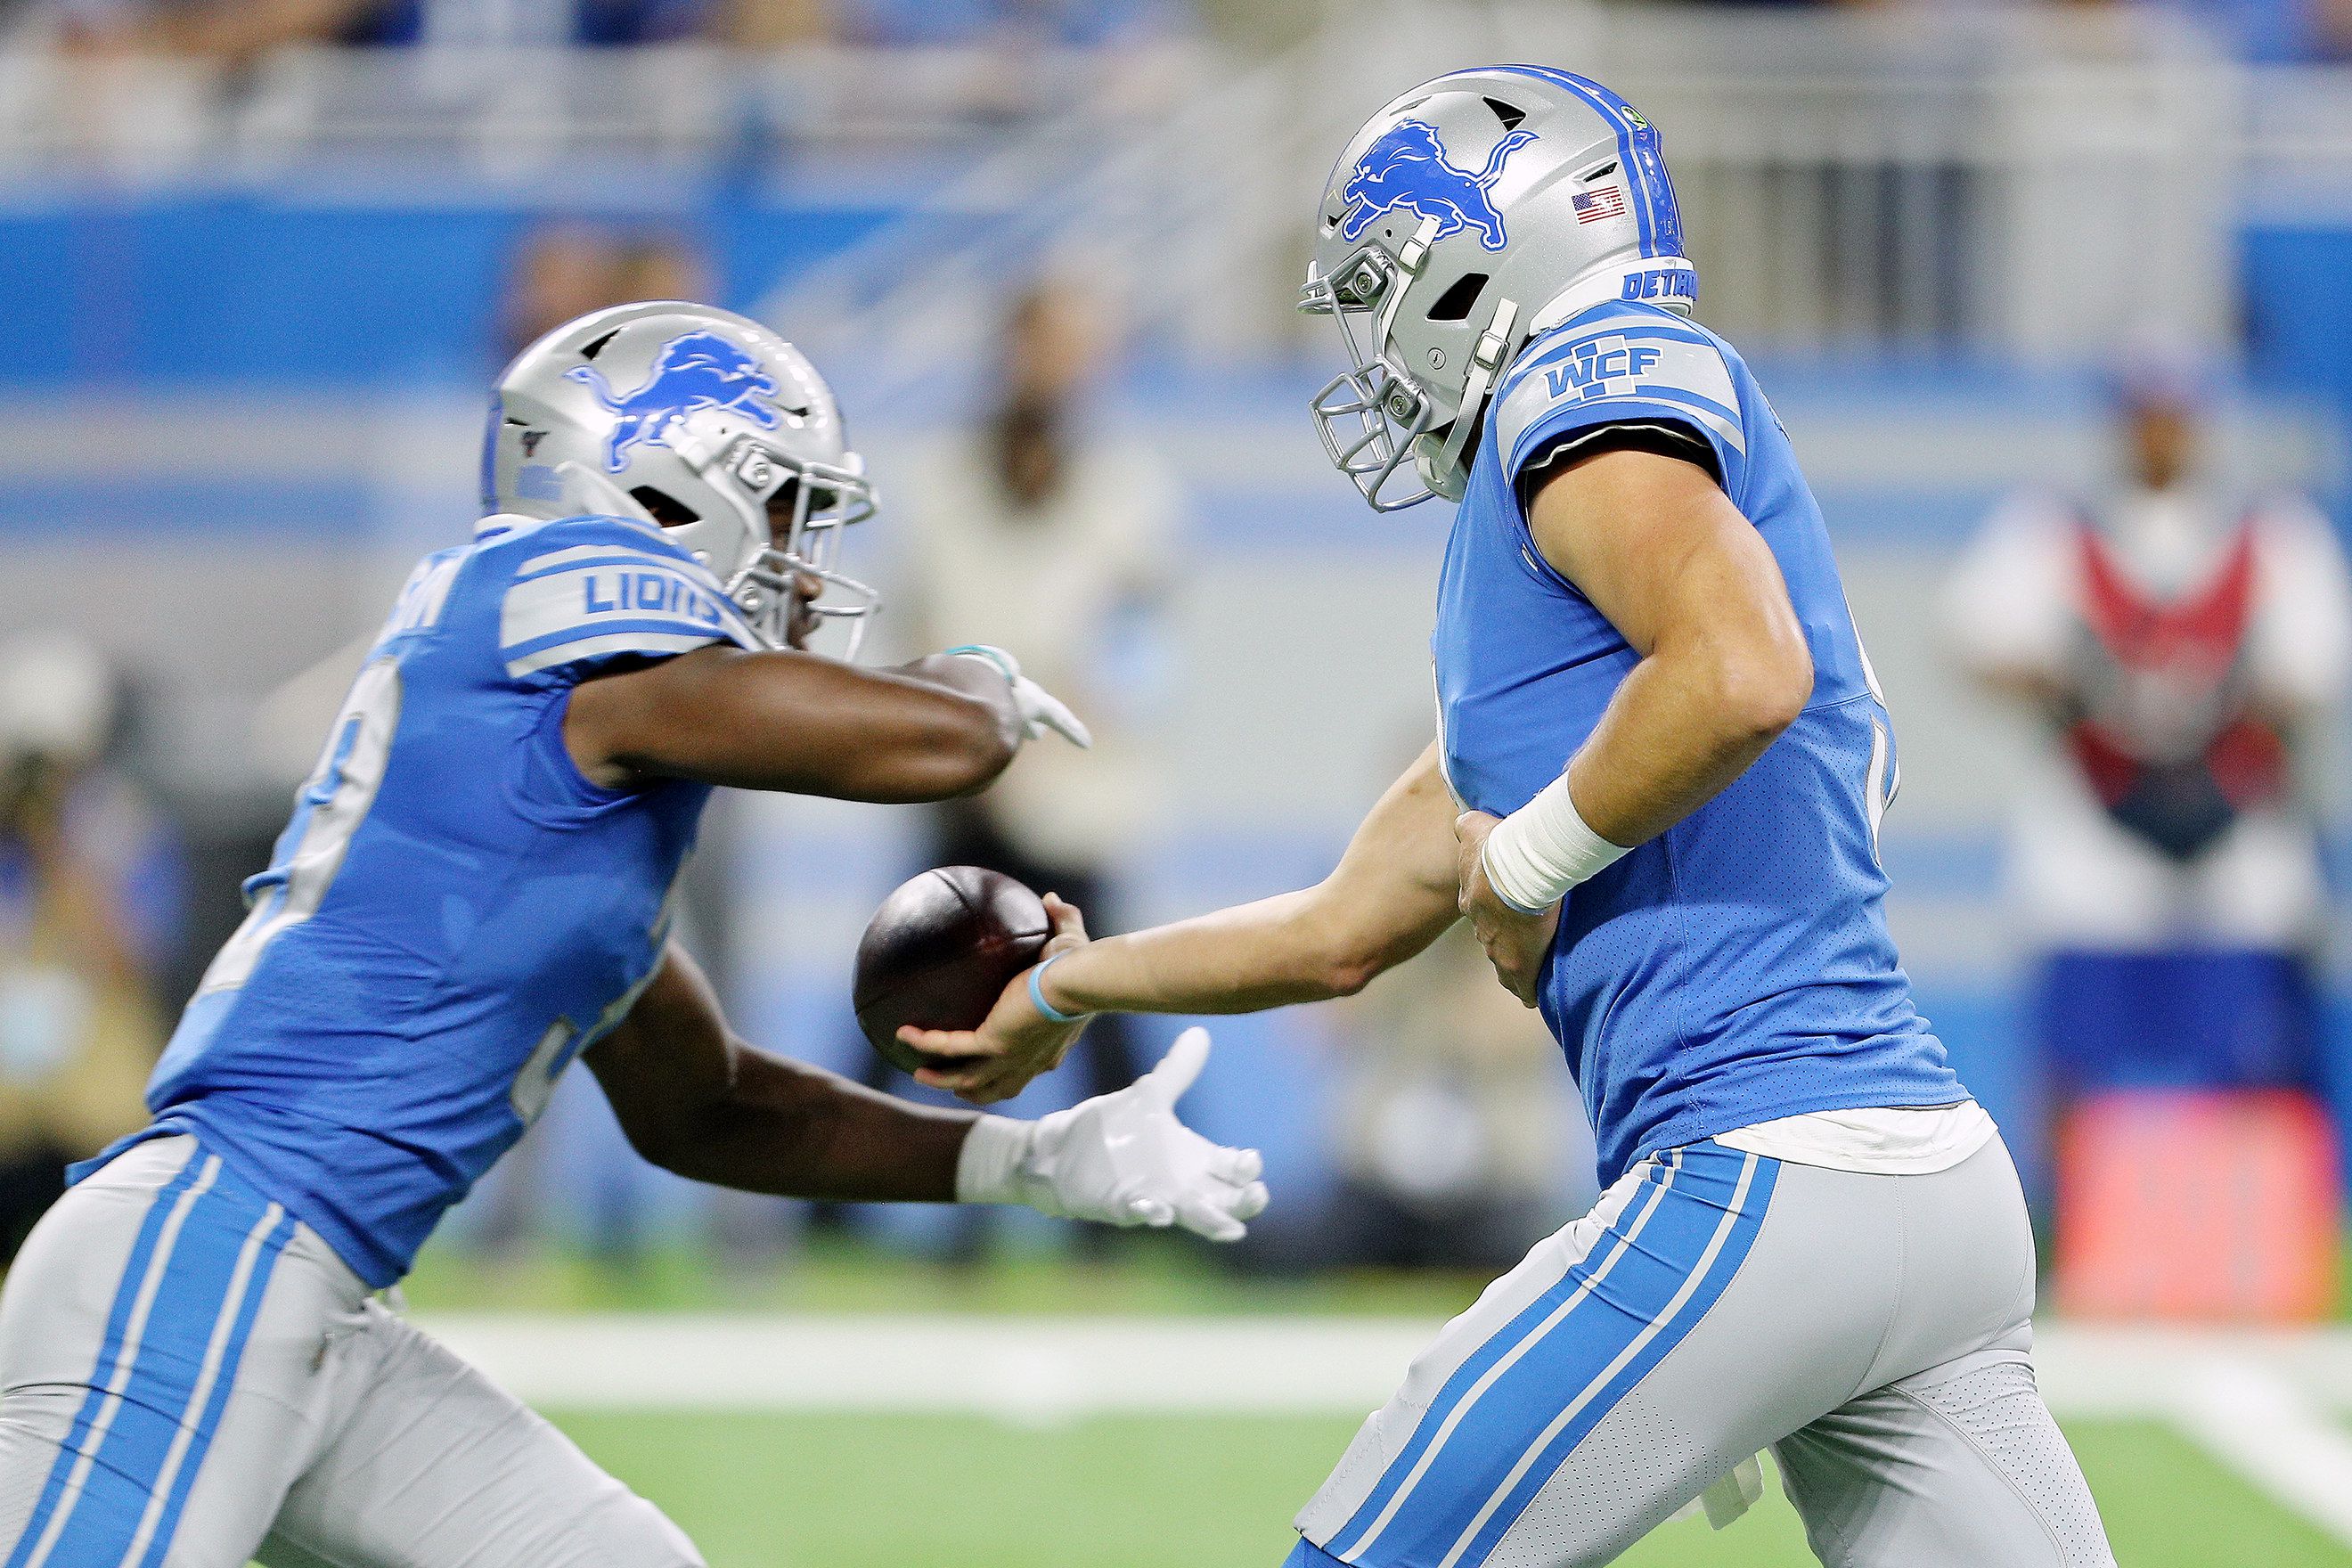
1474, 211
696, 419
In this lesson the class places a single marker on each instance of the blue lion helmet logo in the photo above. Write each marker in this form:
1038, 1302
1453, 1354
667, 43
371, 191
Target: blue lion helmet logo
698, 371
1407, 168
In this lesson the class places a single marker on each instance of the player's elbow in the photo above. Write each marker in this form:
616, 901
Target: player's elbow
1756, 688
981, 744
960, 749
1346, 956
661, 1141
1347, 971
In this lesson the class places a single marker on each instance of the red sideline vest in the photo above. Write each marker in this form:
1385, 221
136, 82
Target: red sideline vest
2159, 722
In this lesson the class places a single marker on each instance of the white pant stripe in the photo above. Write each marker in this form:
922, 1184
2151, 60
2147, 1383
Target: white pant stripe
215, 1350
120, 1379
1650, 1330
1505, 1363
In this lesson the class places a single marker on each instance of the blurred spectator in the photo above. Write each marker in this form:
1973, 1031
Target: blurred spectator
1069, 23
234, 32
238, 31
88, 898
663, 266
2179, 641
478, 23
2274, 31
563, 269
774, 24
1456, 1134
1043, 534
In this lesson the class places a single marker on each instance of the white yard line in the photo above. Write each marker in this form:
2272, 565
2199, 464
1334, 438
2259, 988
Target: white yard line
2261, 1426
2268, 1404
2265, 1404
1017, 1368
984, 1363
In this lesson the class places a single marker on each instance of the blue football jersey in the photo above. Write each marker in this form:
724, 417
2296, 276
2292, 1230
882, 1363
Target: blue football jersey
1738, 967
455, 912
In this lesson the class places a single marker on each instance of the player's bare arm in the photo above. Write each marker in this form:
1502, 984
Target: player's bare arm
1690, 585
1391, 895
784, 720
696, 1100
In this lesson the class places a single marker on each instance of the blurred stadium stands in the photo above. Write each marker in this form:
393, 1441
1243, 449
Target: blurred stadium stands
248, 297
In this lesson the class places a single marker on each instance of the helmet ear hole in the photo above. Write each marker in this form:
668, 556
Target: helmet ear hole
1455, 303
664, 507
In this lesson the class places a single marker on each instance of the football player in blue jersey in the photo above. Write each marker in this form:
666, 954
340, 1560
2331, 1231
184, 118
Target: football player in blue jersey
474, 890
1656, 789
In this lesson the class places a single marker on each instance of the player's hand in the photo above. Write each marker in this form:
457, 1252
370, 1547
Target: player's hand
1039, 710
1515, 943
1015, 1042
802, 622
1124, 1159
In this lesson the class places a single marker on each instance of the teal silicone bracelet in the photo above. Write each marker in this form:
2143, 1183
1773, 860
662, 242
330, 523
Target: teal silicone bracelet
1037, 993
994, 655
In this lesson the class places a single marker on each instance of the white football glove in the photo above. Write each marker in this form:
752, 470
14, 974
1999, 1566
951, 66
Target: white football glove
1120, 1159
1039, 709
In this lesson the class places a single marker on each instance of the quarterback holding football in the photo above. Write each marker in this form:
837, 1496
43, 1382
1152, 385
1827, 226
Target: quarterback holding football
1661, 763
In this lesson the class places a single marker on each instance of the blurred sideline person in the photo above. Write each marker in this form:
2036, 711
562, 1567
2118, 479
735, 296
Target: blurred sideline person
474, 890
78, 851
559, 271
1656, 793
1041, 534
1455, 1130
564, 268
2179, 641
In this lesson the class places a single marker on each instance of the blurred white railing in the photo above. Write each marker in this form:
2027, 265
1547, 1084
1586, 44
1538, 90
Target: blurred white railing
518, 111
2021, 183
2028, 182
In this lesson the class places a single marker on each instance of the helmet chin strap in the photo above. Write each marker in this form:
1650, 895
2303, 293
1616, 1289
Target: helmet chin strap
1486, 361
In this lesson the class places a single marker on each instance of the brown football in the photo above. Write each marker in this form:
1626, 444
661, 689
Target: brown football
939, 952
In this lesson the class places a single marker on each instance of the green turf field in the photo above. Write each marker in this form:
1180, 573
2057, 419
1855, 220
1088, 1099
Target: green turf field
894, 1491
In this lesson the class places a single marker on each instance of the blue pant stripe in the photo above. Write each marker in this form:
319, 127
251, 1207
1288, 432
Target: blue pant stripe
1738, 1238
1565, 1379
195, 1286
1437, 1423
209, 1420
118, 1319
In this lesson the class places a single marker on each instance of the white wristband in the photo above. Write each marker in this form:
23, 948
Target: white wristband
1544, 848
989, 1168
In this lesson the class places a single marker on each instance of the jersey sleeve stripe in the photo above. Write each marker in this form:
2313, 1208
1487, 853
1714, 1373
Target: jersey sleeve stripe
584, 602
1614, 370
1683, 395
651, 637
601, 555
1552, 354
1616, 410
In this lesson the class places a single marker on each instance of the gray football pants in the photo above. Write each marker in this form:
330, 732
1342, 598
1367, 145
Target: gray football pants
1873, 1331
191, 1378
